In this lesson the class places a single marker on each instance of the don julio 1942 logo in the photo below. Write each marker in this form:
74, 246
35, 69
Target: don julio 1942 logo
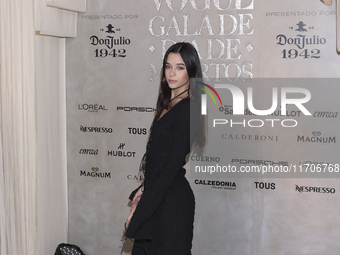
301, 45
112, 45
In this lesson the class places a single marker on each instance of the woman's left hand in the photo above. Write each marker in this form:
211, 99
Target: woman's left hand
135, 202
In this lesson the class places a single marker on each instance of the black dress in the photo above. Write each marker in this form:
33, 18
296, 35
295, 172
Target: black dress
162, 223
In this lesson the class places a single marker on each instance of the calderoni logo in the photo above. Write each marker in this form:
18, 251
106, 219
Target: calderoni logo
246, 137
132, 177
217, 184
309, 189
95, 173
92, 107
95, 129
316, 138
88, 151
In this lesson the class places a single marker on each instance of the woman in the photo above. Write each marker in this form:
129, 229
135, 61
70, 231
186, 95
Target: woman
162, 213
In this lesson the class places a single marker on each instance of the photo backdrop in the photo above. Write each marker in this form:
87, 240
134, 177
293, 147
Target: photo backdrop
113, 68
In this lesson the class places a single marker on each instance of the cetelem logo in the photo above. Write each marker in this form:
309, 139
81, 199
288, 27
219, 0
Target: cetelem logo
239, 102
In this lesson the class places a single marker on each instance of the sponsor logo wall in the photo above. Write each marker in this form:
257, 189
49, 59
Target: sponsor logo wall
289, 160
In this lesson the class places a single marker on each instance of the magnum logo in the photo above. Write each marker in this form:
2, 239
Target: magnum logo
95, 172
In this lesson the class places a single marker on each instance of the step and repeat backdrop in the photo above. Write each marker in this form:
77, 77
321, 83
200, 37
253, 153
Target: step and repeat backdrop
266, 181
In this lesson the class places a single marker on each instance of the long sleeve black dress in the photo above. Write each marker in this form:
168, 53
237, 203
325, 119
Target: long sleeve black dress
162, 223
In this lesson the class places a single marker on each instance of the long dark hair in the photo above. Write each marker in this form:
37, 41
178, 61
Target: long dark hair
192, 63
193, 66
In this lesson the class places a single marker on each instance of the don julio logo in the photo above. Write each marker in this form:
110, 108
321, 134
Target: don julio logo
316, 138
308, 189
95, 173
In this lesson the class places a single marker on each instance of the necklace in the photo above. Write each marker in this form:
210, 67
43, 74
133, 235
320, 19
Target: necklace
179, 94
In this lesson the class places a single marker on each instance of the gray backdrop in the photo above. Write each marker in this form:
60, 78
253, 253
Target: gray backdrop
112, 84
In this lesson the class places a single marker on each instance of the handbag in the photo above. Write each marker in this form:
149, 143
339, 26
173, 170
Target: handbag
68, 249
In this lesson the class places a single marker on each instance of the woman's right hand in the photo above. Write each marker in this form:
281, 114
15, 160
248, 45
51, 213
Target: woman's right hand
137, 196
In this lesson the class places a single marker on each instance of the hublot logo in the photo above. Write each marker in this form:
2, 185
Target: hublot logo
119, 153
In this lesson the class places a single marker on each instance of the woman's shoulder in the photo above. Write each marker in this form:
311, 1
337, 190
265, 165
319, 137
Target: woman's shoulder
187, 107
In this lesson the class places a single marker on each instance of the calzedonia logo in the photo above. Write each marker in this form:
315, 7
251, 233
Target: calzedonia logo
217, 184
239, 102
